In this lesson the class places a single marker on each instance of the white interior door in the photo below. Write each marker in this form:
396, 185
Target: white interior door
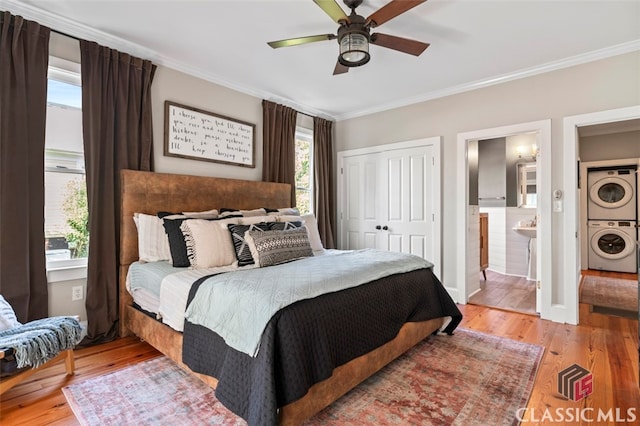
408, 211
390, 200
361, 212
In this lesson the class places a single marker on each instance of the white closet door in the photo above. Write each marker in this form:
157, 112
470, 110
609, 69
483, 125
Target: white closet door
361, 202
388, 201
407, 201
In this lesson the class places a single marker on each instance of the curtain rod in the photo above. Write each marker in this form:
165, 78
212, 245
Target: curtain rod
79, 39
65, 34
51, 29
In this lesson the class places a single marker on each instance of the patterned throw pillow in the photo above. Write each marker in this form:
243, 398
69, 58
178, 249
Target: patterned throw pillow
238, 231
276, 247
281, 226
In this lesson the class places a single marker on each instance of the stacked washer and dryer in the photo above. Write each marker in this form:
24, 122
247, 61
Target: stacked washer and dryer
612, 213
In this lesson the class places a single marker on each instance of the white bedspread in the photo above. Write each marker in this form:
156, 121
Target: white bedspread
163, 289
174, 292
238, 306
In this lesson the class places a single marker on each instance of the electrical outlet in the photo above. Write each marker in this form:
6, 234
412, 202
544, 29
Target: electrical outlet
76, 293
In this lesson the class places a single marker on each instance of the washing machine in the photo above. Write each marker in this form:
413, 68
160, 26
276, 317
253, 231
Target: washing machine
612, 245
612, 194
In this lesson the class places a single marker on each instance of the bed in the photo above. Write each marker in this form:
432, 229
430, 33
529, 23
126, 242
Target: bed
148, 192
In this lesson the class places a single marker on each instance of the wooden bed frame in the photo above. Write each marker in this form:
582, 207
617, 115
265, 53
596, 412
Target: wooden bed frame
149, 192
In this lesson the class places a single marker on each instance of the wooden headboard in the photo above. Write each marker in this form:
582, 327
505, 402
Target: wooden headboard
150, 192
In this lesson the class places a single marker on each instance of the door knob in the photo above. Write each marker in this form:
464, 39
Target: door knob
385, 228
378, 227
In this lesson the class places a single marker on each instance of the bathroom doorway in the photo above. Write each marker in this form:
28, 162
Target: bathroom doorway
503, 187
529, 201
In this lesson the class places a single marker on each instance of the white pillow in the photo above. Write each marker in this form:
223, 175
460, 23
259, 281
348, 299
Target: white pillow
311, 224
153, 244
289, 211
8, 318
208, 243
208, 214
255, 219
244, 213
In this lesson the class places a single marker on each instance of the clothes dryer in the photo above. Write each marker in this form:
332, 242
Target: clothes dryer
612, 194
612, 246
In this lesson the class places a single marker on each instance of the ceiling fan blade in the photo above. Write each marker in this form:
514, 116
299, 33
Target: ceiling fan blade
391, 10
340, 69
332, 9
401, 44
300, 40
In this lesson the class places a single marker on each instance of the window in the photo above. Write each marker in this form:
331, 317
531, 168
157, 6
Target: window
66, 211
304, 170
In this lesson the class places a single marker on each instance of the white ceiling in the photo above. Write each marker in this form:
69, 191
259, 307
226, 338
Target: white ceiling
474, 43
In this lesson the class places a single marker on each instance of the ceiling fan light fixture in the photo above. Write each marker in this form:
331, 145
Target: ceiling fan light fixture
354, 48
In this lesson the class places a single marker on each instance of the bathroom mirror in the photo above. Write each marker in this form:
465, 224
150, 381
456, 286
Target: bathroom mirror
526, 173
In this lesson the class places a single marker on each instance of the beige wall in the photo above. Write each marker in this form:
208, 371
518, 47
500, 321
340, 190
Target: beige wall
597, 86
176, 86
614, 146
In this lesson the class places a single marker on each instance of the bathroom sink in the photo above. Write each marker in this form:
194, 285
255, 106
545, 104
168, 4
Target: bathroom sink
527, 231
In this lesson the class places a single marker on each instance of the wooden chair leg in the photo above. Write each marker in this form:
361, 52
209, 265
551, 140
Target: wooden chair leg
69, 362
9, 382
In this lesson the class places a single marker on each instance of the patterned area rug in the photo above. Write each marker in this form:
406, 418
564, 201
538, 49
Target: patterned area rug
470, 378
613, 293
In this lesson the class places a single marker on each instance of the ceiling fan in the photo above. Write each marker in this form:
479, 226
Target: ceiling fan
354, 32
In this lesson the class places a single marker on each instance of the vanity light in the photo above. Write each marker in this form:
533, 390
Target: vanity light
534, 151
521, 150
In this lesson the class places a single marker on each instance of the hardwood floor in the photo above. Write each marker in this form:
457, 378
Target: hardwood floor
506, 292
609, 274
605, 345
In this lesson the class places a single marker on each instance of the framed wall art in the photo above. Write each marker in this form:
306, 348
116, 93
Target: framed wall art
202, 135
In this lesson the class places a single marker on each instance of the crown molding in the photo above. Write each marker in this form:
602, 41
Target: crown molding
78, 30
619, 49
81, 31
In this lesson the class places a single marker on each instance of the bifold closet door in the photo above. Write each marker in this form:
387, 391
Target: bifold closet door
388, 203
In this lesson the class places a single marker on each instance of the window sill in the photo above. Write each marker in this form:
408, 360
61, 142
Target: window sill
67, 270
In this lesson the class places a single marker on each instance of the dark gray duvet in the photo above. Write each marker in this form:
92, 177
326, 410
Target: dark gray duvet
304, 342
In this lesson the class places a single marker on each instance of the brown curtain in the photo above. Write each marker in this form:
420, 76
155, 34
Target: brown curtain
324, 178
24, 59
279, 145
118, 134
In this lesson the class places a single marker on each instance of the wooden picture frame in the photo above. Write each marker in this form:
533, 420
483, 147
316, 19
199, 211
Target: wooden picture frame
203, 135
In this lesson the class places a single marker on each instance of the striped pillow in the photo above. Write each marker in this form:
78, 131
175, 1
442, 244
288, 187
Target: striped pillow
153, 244
208, 243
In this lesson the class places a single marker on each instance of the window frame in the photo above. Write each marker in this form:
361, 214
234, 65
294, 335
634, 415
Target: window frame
305, 134
64, 71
